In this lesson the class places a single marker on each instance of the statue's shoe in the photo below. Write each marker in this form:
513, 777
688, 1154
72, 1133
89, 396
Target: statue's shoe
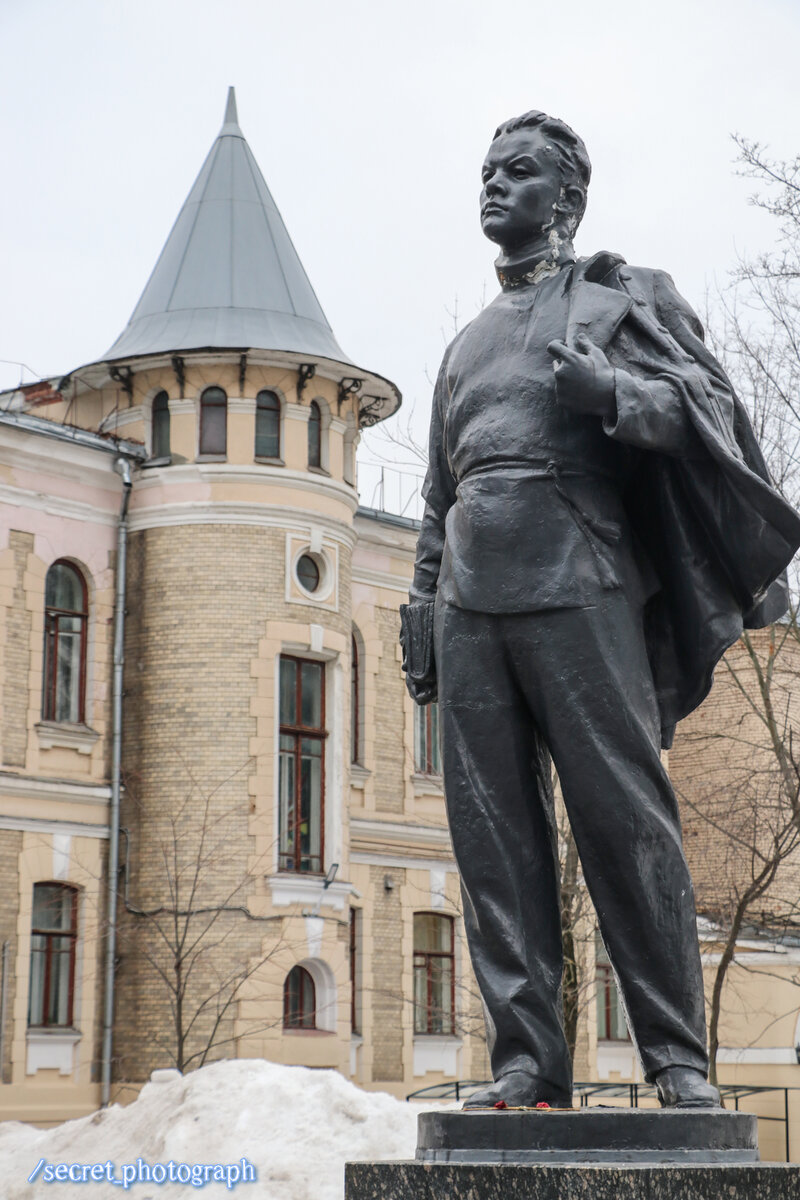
685, 1087
518, 1089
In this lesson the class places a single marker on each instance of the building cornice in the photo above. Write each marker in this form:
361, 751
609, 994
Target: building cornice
59, 506
232, 512
37, 825
368, 829
27, 423
38, 787
383, 579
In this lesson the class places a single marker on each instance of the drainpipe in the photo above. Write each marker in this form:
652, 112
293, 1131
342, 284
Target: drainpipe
3, 1006
123, 468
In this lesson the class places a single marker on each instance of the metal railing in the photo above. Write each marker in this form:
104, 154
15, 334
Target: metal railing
633, 1093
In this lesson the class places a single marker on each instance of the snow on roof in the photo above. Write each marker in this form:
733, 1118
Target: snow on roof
297, 1126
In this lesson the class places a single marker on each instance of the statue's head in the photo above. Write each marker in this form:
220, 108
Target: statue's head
535, 178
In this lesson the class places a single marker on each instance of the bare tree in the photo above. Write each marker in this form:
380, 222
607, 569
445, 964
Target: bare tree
735, 763
189, 937
738, 776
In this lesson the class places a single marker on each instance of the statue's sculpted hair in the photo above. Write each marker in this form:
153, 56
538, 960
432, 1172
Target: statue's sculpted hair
569, 149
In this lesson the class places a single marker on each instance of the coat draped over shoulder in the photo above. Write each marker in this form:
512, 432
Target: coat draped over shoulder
716, 531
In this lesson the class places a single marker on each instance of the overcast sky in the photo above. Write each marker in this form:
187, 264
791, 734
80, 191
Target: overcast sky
369, 122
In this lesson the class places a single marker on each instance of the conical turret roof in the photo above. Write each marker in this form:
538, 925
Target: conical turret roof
228, 276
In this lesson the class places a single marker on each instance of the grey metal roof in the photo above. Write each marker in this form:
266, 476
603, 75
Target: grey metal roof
228, 276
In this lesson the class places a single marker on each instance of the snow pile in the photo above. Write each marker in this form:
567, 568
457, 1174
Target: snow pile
295, 1125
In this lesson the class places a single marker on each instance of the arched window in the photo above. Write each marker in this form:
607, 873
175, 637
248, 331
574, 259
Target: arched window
65, 622
214, 422
434, 976
268, 425
299, 1000
54, 936
160, 431
315, 436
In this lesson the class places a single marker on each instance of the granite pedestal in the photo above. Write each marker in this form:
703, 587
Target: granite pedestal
584, 1154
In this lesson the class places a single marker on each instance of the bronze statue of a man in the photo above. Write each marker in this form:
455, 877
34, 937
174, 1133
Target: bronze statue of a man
599, 527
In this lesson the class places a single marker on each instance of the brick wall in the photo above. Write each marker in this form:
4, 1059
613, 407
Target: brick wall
392, 758
10, 850
387, 966
17, 657
199, 600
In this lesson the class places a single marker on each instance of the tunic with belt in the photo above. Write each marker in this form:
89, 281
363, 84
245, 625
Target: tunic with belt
539, 581
524, 498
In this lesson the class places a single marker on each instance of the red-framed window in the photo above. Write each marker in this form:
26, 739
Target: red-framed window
301, 764
268, 425
355, 970
315, 435
427, 760
355, 702
160, 426
54, 939
66, 618
434, 974
214, 422
299, 1000
611, 1024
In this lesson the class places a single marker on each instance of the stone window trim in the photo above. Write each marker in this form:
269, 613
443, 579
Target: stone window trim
359, 776
427, 785
66, 735
327, 573
51, 1050
436, 1052
287, 888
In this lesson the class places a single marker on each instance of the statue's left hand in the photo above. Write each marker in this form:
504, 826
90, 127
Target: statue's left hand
584, 377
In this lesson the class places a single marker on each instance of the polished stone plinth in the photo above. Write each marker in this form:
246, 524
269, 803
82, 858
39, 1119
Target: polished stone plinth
596, 1135
582, 1154
529, 1181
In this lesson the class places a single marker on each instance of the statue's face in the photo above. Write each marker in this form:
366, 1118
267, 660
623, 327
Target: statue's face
521, 185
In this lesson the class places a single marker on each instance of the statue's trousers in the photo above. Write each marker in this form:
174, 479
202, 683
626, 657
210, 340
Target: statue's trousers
579, 680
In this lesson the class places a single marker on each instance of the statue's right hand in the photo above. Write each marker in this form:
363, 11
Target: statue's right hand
422, 692
416, 638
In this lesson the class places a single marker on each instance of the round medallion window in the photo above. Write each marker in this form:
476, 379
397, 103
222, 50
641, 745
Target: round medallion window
308, 572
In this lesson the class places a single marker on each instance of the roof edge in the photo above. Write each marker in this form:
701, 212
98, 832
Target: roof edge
28, 423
